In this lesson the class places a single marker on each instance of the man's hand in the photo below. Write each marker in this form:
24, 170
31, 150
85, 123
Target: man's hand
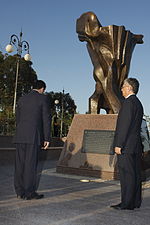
118, 150
46, 144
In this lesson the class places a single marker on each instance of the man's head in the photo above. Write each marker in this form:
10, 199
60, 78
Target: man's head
130, 86
40, 86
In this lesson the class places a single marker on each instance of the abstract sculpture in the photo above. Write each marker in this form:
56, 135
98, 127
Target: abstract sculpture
110, 49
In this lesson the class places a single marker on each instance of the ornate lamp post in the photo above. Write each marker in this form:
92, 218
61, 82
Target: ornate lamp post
56, 103
20, 46
62, 112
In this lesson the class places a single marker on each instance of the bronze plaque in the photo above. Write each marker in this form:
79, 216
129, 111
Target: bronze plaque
98, 141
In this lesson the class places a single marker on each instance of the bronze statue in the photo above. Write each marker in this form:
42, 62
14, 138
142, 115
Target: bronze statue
110, 49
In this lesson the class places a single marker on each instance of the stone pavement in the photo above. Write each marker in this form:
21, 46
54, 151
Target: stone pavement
68, 201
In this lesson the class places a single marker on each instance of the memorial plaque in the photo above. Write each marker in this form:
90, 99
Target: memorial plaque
98, 141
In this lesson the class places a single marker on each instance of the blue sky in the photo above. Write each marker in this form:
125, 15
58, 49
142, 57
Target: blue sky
58, 57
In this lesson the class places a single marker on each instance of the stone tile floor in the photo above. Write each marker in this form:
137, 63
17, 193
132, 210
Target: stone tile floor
68, 201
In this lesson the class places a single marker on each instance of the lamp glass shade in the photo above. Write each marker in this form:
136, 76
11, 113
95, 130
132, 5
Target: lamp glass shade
27, 57
56, 102
9, 48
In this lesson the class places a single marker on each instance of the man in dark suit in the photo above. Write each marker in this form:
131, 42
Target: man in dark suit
32, 134
128, 146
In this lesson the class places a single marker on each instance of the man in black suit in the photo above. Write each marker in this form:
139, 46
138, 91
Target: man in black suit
32, 134
128, 146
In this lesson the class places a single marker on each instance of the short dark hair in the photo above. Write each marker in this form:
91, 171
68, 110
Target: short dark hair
133, 82
39, 84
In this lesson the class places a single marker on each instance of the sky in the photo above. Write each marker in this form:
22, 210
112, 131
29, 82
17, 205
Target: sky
59, 58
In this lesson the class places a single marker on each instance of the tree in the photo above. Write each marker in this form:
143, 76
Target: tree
27, 76
65, 103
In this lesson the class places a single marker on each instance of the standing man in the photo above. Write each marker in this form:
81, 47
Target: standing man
128, 146
32, 134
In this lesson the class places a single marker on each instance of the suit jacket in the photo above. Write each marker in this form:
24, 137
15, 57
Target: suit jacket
127, 134
32, 119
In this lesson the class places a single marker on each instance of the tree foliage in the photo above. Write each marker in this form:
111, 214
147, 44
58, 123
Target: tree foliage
27, 76
7, 80
66, 105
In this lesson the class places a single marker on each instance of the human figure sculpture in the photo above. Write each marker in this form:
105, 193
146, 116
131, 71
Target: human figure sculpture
110, 49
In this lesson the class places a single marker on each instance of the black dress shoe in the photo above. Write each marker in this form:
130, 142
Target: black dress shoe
20, 196
127, 208
137, 207
34, 196
118, 206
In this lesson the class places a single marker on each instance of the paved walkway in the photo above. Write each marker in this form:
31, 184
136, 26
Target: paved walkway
68, 201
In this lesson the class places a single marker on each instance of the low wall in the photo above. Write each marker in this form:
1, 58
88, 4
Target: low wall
7, 142
7, 150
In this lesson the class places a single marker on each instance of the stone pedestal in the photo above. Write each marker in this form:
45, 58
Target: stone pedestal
75, 160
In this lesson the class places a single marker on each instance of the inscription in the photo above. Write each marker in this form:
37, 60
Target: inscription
98, 141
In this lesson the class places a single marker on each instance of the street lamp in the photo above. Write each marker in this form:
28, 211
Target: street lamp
20, 46
57, 109
62, 112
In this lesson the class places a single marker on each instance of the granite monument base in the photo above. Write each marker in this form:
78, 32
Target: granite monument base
88, 146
